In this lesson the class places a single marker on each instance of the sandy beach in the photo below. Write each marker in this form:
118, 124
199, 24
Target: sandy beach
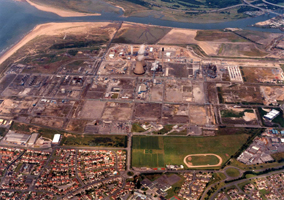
119, 7
52, 29
60, 12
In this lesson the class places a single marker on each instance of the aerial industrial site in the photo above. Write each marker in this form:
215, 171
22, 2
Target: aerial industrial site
88, 111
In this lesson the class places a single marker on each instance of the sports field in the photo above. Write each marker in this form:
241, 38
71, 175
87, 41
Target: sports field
204, 160
172, 150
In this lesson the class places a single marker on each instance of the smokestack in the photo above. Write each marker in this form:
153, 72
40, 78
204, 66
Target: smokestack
140, 63
141, 50
131, 50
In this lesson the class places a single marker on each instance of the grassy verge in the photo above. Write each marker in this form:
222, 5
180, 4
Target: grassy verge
28, 129
183, 132
232, 172
216, 177
136, 127
235, 163
241, 185
232, 113
94, 140
164, 130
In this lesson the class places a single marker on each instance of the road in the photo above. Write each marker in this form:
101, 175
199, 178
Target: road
87, 185
240, 181
277, 5
108, 46
227, 8
264, 10
7, 168
129, 146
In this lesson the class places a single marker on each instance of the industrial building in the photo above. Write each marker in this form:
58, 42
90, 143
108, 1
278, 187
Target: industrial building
32, 139
272, 114
56, 139
235, 73
16, 138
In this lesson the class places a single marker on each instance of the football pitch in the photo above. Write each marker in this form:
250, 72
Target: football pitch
158, 151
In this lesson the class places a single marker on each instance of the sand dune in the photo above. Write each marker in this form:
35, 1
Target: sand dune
60, 12
52, 29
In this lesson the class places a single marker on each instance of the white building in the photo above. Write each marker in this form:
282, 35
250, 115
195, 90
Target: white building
272, 114
56, 139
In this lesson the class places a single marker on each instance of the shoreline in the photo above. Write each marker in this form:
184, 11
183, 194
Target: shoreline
45, 29
50, 29
60, 12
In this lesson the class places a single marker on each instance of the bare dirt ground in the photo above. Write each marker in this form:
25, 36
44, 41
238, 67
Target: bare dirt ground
186, 36
92, 109
48, 121
189, 164
272, 94
198, 94
249, 116
157, 93
147, 111
115, 111
241, 50
197, 115
218, 42
261, 74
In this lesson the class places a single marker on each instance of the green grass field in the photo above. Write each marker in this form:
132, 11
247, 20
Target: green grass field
172, 150
95, 140
204, 160
232, 172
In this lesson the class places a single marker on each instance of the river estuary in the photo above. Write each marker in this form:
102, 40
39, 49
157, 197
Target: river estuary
18, 18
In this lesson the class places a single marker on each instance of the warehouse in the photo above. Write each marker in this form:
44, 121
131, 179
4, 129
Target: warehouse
56, 139
272, 114
16, 138
33, 139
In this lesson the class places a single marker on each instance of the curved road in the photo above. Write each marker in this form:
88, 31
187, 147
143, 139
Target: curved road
272, 4
264, 10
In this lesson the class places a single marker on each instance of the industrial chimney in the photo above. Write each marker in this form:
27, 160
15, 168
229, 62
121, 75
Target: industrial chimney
140, 62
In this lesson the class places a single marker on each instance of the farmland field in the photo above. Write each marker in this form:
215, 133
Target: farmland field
172, 150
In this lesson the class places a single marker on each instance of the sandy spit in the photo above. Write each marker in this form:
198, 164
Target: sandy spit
60, 12
51, 29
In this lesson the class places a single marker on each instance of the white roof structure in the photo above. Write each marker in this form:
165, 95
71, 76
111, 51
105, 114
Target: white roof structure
17, 138
255, 148
235, 73
56, 138
272, 114
111, 55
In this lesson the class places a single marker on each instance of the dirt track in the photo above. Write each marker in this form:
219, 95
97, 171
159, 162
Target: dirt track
206, 154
